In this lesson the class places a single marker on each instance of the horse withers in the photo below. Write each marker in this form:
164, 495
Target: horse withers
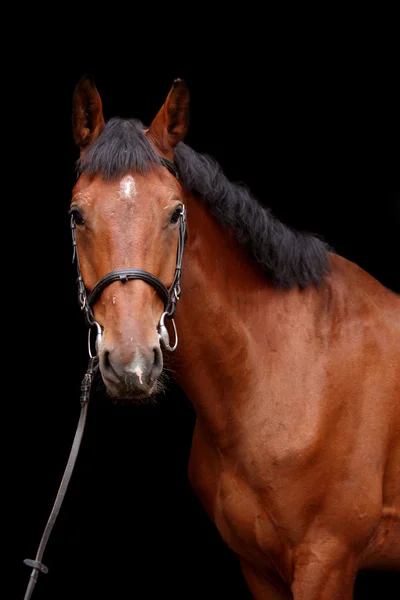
289, 353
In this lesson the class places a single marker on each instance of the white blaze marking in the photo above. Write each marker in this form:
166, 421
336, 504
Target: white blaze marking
127, 188
113, 299
139, 373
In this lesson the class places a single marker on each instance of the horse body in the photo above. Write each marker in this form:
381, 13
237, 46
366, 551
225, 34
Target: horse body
296, 448
285, 452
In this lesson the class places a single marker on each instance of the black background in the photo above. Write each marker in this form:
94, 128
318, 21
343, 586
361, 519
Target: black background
311, 124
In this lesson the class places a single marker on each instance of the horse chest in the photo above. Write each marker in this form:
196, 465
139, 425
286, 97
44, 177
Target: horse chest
241, 518
237, 510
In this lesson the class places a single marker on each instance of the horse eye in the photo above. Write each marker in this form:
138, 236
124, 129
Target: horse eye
175, 215
79, 220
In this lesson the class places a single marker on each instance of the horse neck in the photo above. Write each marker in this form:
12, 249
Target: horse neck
219, 288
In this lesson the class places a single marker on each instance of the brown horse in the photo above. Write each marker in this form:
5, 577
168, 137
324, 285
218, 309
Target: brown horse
289, 353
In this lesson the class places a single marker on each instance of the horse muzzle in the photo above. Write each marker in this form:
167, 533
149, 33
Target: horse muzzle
132, 377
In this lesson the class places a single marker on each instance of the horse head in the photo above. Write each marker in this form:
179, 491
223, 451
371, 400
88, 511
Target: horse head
128, 219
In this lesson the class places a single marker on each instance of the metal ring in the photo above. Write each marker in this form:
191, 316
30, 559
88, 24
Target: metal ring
163, 334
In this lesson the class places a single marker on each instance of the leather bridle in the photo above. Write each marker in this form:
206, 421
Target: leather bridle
170, 296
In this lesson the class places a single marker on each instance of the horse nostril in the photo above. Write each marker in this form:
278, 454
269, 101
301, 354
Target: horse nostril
106, 359
158, 362
107, 364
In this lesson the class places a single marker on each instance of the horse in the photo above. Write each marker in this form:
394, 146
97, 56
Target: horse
288, 352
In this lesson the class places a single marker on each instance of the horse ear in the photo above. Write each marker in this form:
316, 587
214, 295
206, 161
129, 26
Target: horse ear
170, 125
87, 113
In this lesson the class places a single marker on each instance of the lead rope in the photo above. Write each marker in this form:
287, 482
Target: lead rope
38, 566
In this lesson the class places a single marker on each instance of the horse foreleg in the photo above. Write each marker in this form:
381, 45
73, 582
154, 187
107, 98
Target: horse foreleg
323, 571
260, 586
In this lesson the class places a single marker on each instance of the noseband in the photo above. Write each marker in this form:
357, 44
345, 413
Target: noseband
169, 296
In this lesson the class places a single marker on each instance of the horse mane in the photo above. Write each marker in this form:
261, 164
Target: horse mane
288, 257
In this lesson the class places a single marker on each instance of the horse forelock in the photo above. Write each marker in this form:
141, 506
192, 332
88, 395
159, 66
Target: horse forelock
122, 147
